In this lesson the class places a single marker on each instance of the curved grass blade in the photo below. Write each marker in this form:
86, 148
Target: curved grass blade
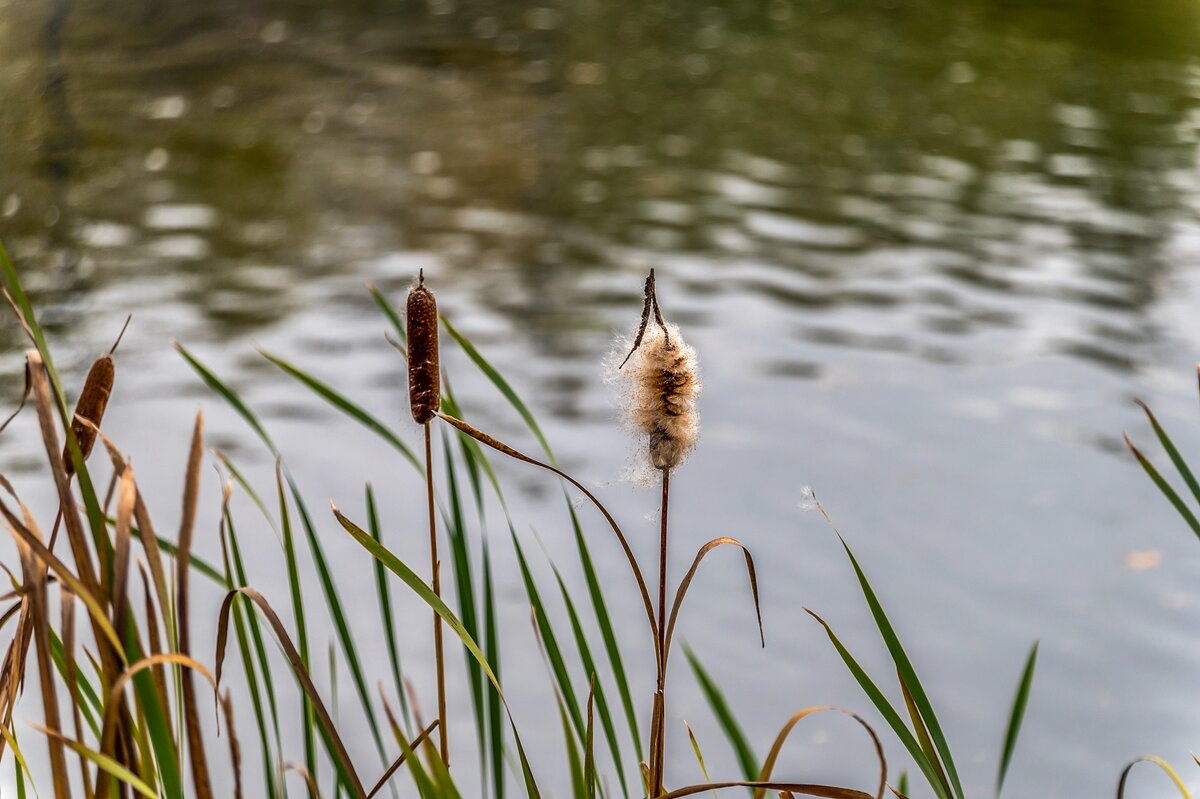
699, 755
922, 733
808, 789
500, 446
786, 730
398, 762
295, 590
1162, 764
22, 767
686, 583
464, 585
341, 626
720, 708
1017, 715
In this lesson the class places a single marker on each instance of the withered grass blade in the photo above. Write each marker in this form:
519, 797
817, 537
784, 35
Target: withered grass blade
306, 775
187, 526
785, 731
399, 761
341, 756
686, 583
808, 789
1163, 765
235, 748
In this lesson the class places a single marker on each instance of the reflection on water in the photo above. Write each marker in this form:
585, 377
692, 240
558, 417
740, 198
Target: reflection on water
880, 196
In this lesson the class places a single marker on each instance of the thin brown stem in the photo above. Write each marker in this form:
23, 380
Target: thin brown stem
659, 745
443, 740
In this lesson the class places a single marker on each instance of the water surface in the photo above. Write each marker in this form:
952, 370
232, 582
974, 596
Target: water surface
928, 252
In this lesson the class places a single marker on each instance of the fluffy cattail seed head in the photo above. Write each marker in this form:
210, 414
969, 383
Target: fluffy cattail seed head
92, 403
661, 377
424, 380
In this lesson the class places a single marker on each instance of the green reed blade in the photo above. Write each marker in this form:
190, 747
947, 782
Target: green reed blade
409, 577
229, 395
385, 608
251, 673
501, 384
1165, 487
295, 590
550, 641
889, 713
907, 672
1167, 444
343, 404
589, 667
747, 761
342, 627
1017, 716
465, 588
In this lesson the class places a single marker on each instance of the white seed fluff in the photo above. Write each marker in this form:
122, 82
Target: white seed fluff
661, 383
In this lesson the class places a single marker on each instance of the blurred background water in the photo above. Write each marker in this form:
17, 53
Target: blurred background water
928, 251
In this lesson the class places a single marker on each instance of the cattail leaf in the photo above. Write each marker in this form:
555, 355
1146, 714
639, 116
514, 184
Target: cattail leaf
385, 603
409, 577
886, 710
698, 754
501, 385
922, 733
725, 718
549, 642
589, 665
907, 673
349, 408
251, 673
1016, 716
1167, 444
19, 756
1165, 487
227, 394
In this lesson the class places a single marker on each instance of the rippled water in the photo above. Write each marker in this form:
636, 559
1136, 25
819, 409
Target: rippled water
929, 252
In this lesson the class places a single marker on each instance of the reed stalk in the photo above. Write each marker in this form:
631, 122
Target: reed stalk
424, 391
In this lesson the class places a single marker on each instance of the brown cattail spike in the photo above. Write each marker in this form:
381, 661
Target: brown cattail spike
424, 382
92, 402
91, 406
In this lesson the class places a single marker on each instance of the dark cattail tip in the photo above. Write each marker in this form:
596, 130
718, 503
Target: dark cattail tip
91, 406
424, 382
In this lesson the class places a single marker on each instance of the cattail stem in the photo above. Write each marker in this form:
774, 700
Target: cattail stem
443, 740
658, 746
